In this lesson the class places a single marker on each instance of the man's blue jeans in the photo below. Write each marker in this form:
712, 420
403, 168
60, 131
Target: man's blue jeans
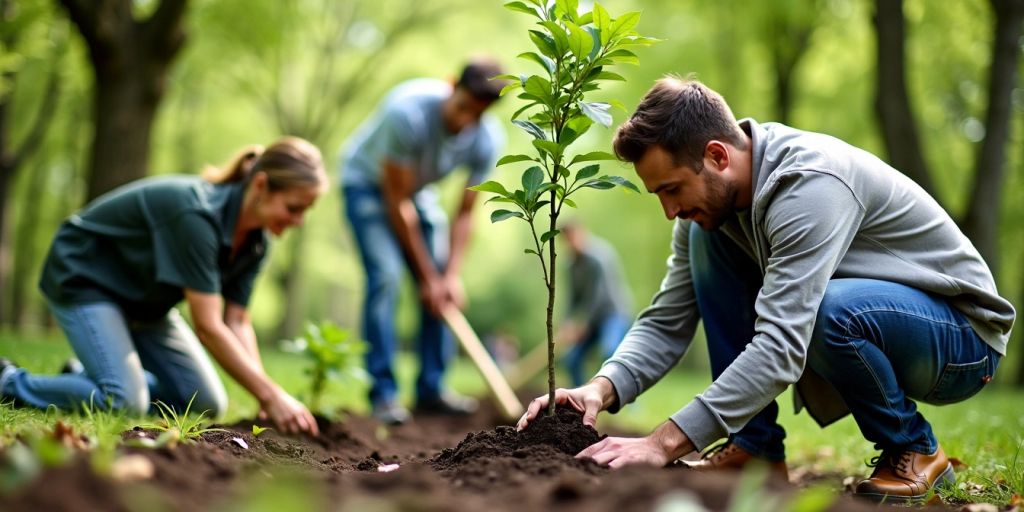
607, 335
384, 262
882, 345
127, 365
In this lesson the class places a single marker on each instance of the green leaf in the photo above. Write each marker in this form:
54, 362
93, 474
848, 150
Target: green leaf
593, 156
510, 87
585, 18
545, 62
532, 180
530, 251
257, 430
580, 41
539, 87
638, 41
531, 128
524, 109
624, 24
511, 159
598, 112
551, 148
521, 7
500, 215
557, 33
587, 172
567, 8
499, 199
603, 23
608, 75
599, 183
622, 182
545, 43
493, 187
624, 56
569, 202
546, 237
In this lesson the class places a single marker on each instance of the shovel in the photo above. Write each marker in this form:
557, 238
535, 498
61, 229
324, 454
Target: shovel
503, 393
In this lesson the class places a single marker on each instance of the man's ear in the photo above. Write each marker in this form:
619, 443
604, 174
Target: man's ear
716, 154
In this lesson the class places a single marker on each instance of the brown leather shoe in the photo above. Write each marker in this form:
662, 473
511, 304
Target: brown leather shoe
906, 477
729, 456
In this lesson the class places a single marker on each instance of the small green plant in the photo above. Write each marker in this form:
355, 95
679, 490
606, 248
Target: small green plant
575, 51
257, 430
183, 427
336, 355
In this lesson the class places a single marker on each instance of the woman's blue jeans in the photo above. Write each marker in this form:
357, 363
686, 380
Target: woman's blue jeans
385, 263
127, 365
882, 345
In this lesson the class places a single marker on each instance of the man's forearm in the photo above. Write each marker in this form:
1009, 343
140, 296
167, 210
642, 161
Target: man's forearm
462, 228
405, 222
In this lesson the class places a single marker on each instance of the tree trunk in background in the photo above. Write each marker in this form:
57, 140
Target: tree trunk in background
788, 36
293, 284
130, 59
26, 254
984, 211
12, 158
892, 103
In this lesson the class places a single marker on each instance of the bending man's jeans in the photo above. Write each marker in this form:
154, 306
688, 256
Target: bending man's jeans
607, 335
881, 344
127, 365
384, 261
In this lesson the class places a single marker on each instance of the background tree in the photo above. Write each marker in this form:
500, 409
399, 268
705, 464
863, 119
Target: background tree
130, 52
982, 217
23, 36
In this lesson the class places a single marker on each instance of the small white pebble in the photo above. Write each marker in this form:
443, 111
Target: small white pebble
240, 442
387, 468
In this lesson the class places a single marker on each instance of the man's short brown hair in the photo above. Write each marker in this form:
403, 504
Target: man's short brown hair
478, 79
680, 115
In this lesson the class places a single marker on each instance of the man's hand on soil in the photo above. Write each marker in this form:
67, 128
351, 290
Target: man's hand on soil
667, 443
616, 452
589, 399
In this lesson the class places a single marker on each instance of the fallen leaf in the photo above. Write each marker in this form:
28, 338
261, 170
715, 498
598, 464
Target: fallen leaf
979, 507
958, 464
240, 442
387, 468
65, 435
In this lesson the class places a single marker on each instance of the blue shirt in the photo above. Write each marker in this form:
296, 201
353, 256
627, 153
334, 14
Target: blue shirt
407, 129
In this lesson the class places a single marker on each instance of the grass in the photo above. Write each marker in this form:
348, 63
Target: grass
985, 433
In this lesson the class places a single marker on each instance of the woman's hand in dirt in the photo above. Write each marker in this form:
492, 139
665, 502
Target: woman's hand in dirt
667, 443
289, 414
589, 399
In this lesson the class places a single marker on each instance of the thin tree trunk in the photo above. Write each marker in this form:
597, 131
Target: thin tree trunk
26, 234
130, 59
892, 102
788, 36
12, 158
984, 211
293, 286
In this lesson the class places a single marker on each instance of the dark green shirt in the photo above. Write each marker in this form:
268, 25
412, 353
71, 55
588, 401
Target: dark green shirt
142, 244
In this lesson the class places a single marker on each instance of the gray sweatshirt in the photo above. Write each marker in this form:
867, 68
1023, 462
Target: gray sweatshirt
821, 209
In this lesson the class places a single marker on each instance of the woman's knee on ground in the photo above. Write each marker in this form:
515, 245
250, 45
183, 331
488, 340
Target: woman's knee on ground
133, 400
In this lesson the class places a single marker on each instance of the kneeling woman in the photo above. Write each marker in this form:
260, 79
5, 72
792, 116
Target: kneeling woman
117, 268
